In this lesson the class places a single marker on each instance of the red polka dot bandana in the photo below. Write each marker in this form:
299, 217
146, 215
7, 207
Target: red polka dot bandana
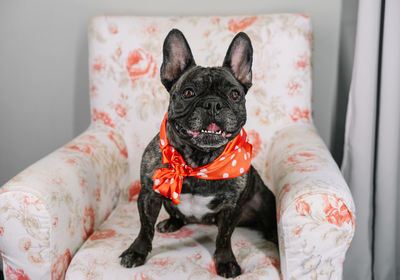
232, 162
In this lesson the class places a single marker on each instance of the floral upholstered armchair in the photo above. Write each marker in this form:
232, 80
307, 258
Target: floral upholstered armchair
71, 214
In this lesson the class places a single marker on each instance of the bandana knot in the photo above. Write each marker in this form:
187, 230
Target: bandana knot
234, 161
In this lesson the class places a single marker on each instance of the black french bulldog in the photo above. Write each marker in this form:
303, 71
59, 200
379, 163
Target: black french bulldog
200, 96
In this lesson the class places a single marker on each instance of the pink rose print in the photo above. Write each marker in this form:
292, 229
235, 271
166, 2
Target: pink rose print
212, 268
120, 146
120, 110
299, 114
269, 260
70, 161
215, 20
307, 169
240, 25
285, 188
298, 158
140, 64
99, 115
1, 230
293, 87
88, 221
184, 232
118, 52
278, 213
197, 256
303, 208
93, 90
55, 221
163, 261
303, 62
99, 64
81, 147
36, 259
297, 230
134, 190
336, 211
60, 266
16, 274
36, 202
140, 276
102, 234
242, 243
57, 180
152, 29
113, 28
25, 244
83, 184
255, 140
97, 194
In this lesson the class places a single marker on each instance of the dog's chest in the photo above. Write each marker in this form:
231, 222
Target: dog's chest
195, 205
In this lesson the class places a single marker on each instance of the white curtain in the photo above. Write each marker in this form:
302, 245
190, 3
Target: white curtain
371, 162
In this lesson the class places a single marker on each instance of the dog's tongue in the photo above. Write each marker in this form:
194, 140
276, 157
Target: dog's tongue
213, 127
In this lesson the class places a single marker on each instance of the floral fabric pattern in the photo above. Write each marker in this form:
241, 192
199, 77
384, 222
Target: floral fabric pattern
53, 206
58, 217
127, 94
185, 254
316, 213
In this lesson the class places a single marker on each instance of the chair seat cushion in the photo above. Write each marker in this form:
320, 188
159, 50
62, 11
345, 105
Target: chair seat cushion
185, 254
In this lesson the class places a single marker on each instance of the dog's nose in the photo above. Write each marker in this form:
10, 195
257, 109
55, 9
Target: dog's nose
212, 106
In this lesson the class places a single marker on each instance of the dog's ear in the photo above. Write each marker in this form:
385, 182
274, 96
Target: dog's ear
239, 59
177, 58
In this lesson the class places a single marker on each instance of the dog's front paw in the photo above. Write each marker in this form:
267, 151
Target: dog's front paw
228, 269
131, 258
169, 225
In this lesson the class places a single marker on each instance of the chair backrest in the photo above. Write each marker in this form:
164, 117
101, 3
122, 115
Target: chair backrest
125, 54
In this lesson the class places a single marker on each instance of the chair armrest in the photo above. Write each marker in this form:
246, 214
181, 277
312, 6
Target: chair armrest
314, 205
49, 209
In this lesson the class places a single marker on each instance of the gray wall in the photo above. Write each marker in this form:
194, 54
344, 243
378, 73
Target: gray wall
44, 73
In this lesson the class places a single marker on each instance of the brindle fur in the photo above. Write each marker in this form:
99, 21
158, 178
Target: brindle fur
240, 201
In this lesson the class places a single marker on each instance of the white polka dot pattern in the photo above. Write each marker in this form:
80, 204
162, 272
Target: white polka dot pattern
224, 167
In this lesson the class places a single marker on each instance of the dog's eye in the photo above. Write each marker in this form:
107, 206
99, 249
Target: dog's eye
188, 93
234, 95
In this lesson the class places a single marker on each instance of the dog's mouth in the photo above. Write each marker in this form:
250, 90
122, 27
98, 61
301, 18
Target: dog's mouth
211, 130
211, 136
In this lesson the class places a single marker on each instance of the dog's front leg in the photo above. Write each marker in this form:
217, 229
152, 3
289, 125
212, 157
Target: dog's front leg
149, 204
225, 260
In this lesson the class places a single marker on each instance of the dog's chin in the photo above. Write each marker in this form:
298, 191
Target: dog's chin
209, 138
208, 142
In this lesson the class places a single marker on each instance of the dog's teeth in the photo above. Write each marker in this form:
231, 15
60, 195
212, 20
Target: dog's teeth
212, 132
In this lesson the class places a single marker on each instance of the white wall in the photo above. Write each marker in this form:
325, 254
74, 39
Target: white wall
44, 73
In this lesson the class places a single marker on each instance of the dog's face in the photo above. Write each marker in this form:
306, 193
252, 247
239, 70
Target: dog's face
207, 105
